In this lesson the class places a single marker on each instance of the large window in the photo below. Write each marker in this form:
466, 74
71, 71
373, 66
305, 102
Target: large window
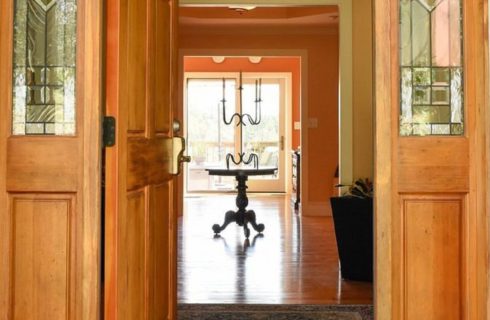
210, 139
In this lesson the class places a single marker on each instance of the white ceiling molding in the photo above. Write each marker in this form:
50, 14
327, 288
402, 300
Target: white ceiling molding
258, 3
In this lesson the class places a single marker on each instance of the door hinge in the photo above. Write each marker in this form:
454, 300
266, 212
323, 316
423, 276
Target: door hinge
109, 134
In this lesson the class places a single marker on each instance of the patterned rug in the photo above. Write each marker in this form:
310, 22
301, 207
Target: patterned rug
274, 312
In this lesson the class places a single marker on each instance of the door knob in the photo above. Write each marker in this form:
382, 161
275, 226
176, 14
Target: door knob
176, 126
178, 157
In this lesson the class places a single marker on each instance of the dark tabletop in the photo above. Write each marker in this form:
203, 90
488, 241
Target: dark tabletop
242, 171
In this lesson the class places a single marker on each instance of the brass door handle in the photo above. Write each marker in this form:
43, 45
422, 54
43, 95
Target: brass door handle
185, 159
178, 157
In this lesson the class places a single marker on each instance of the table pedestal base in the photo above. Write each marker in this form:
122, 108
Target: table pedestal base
243, 216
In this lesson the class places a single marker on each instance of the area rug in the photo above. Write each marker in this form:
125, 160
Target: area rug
274, 312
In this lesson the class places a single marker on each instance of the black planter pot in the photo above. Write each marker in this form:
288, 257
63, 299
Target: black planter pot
353, 220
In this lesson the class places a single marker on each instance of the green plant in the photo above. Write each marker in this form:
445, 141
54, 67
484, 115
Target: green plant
362, 188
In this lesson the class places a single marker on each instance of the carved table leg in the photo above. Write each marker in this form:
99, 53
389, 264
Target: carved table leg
246, 230
250, 217
230, 217
242, 216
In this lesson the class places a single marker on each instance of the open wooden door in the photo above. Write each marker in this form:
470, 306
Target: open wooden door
50, 89
432, 125
140, 238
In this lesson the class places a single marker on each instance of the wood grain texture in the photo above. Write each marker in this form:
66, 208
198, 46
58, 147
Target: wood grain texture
6, 36
439, 167
42, 164
483, 220
48, 169
137, 38
433, 252
159, 239
91, 18
476, 86
384, 202
443, 168
139, 262
147, 161
163, 47
132, 252
43, 277
295, 262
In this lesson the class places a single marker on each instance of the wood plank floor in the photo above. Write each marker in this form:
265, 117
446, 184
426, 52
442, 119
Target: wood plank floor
294, 262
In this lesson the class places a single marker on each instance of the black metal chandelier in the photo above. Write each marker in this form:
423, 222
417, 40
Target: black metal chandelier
240, 116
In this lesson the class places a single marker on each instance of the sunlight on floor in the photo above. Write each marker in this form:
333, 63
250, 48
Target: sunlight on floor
294, 261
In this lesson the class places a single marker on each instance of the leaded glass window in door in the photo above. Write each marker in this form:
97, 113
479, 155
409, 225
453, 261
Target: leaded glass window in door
431, 73
44, 62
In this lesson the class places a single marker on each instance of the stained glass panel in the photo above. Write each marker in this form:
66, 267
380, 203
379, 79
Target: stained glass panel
44, 67
431, 74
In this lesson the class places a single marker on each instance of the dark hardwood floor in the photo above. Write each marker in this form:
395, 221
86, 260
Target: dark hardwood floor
294, 262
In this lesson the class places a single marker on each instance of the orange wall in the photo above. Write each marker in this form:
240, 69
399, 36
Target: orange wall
322, 89
276, 64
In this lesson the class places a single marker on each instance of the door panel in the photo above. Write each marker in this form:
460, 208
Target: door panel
50, 159
443, 164
44, 261
140, 220
433, 256
131, 251
53, 171
164, 48
158, 264
431, 186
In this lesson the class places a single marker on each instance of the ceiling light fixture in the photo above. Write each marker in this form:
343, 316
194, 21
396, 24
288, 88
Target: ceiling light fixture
242, 8
255, 59
218, 59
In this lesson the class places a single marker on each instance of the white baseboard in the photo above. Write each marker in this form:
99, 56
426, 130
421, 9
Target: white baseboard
316, 209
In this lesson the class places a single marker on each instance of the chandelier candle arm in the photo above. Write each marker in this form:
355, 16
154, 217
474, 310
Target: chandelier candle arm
253, 157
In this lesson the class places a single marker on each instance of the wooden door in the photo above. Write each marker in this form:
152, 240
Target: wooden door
432, 159
140, 256
50, 92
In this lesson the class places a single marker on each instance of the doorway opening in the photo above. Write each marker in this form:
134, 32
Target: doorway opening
295, 260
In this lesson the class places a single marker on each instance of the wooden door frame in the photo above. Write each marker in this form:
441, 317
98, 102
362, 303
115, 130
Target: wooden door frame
386, 94
89, 100
93, 60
